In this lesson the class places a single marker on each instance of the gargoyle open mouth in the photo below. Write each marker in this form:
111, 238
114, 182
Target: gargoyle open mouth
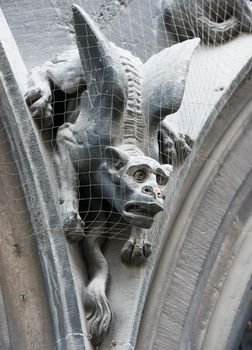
146, 210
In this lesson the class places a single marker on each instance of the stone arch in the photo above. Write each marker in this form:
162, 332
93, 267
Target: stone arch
195, 300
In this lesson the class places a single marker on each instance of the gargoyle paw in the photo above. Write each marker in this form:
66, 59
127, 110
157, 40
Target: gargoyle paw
99, 314
73, 226
135, 252
39, 103
174, 147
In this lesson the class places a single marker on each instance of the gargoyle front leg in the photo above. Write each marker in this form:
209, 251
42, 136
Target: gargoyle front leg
137, 249
39, 96
63, 72
68, 183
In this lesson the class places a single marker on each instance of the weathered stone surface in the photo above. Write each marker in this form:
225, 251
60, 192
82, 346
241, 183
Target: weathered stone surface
27, 319
210, 235
69, 330
130, 24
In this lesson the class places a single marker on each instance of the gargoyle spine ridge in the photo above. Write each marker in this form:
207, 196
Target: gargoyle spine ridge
134, 125
214, 21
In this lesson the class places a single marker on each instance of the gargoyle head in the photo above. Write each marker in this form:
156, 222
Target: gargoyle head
134, 184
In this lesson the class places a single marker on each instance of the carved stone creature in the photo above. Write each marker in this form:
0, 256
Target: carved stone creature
109, 149
214, 21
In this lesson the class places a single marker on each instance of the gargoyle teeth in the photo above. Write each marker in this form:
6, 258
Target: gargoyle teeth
142, 209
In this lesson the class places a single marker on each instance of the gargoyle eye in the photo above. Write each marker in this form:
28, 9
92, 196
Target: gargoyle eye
140, 175
162, 180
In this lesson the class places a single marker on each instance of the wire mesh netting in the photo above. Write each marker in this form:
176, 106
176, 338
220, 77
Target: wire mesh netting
95, 109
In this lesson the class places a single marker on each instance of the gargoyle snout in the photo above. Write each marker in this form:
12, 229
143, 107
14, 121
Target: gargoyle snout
152, 191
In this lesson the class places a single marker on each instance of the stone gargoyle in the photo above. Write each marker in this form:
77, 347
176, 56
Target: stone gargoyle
214, 21
108, 150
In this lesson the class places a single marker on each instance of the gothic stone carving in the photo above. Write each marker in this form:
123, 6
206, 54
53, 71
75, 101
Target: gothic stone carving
214, 21
110, 146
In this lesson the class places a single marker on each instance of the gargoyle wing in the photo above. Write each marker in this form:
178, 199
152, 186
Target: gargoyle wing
102, 69
164, 78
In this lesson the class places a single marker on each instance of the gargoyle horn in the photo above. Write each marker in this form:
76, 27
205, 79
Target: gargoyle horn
103, 72
164, 79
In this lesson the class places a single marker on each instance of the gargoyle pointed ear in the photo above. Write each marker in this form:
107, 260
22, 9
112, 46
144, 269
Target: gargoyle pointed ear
102, 69
164, 78
115, 157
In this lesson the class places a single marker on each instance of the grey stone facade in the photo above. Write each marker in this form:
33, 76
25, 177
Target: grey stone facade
195, 290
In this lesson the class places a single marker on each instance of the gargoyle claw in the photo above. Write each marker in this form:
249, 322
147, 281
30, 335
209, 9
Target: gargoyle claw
32, 96
174, 147
73, 226
39, 103
135, 253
